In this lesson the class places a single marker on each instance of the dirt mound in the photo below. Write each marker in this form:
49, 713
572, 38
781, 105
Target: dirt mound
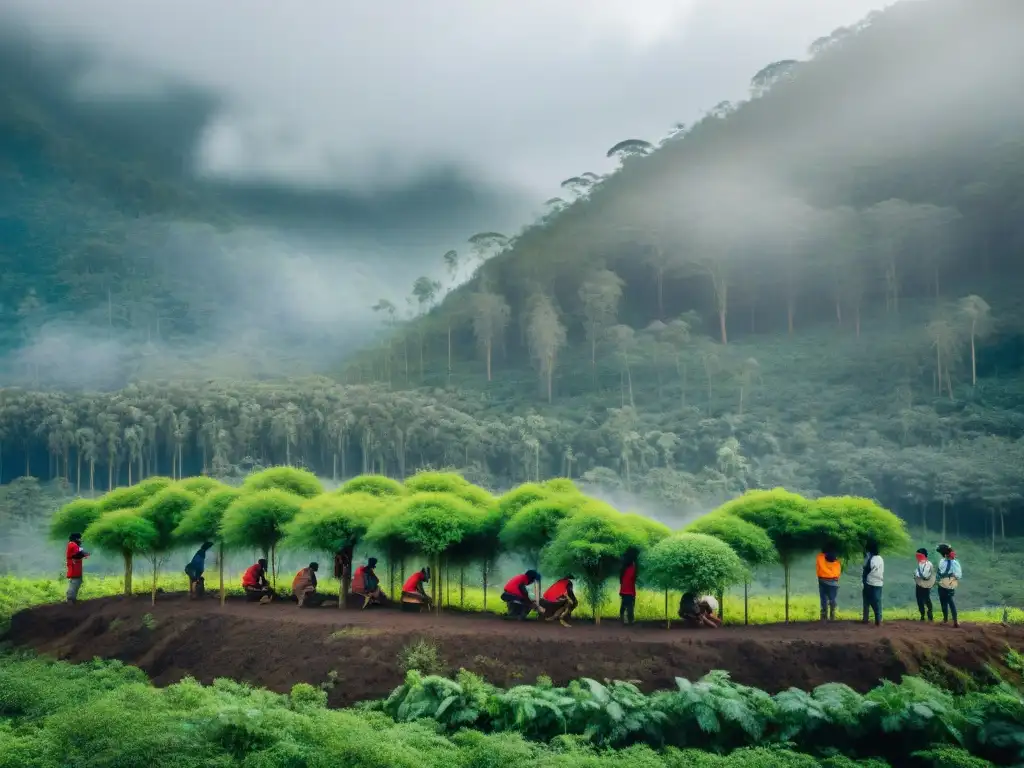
278, 645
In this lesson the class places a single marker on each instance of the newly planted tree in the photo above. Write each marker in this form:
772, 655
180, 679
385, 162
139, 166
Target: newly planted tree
532, 528
590, 545
165, 511
751, 543
429, 523
853, 521
73, 517
202, 523
332, 522
790, 521
691, 562
257, 520
299, 482
123, 532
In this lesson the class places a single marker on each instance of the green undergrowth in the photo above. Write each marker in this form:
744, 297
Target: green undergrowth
114, 717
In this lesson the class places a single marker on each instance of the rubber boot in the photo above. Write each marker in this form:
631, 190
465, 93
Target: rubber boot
831, 613
823, 616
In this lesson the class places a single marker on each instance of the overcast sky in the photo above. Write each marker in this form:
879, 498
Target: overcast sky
519, 94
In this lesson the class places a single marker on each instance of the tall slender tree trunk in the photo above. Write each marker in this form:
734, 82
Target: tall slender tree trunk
128, 573
220, 570
668, 618
78, 472
857, 320
153, 594
721, 326
785, 572
92, 476
974, 363
449, 352
839, 313
489, 360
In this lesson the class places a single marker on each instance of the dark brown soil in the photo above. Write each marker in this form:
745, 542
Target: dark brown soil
278, 645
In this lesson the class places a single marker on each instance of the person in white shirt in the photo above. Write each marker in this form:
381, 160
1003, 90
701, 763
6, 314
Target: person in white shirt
874, 570
924, 579
949, 575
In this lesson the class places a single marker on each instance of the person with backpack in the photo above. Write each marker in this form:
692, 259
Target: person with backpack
924, 580
872, 578
949, 575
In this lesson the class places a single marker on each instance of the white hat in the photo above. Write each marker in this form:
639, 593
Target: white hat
710, 602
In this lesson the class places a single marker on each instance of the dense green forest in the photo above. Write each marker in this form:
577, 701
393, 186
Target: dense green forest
816, 288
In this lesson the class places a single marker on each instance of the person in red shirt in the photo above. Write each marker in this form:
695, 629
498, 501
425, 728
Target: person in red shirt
517, 597
366, 584
255, 584
74, 554
559, 601
413, 594
627, 587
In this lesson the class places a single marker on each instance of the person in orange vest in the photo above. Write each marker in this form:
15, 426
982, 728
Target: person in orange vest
413, 593
627, 587
366, 584
255, 584
517, 597
74, 555
304, 587
829, 570
559, 601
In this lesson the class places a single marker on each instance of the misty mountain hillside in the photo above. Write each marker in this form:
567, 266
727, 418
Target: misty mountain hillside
818, 288
120, 259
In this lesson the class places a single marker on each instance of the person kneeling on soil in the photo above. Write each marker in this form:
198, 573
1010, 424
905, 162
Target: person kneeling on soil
699, 611
559, 601
366, 584
413, 594
304, 587
517, 597
194, 571
255, 584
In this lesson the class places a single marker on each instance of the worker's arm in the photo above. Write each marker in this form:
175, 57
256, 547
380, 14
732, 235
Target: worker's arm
79, 554
571, 594
312, 578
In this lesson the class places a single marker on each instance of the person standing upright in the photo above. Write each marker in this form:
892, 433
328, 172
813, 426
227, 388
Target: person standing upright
74, 555
924, 579
627, 587
829, 569
872, 577
949, 575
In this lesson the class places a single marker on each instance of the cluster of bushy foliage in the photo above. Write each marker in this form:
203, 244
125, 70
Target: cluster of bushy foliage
447, 521
894, 721
115, 717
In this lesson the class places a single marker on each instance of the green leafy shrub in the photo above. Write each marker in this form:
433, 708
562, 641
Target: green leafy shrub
258, 520
133, 496
422, 656
126, 533
74, 517
374, 485
200, 485
299, 482
692, 562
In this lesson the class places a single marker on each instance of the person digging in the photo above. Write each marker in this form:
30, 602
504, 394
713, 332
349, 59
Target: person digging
414, 596
699, 612
559, 601
194, 570
366, 584
255, 584
304, 588
517, 597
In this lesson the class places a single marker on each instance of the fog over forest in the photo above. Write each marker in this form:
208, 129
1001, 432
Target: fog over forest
713, 247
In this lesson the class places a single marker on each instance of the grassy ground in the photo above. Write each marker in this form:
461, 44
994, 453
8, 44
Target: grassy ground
18, 593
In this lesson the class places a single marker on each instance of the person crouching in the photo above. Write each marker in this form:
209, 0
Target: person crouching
255, 584
516, 596
559, 601
304, 587
195, 569
414, 596
699, 611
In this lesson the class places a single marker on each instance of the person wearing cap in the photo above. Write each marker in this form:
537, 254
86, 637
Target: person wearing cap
366, 584
304, 587
699, 611
517, 597
924, 580
829, 569
413, 593
255, 584
194, 570
949, 575
74, 555
559, 601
